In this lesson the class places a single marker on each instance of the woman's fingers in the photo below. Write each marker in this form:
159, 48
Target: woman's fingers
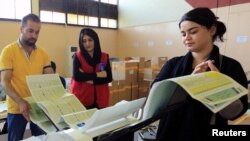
202, 67
211, 65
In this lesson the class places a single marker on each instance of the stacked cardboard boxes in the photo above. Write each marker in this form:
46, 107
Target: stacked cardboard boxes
132, 78
153, 67
124, 77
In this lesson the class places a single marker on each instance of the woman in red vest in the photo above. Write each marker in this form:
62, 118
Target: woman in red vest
91, 72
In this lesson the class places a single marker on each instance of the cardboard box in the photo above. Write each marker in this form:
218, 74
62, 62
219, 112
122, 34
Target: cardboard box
144, 88
134, 91
158, 62
127, 71
125, 91
150, 74
113, 93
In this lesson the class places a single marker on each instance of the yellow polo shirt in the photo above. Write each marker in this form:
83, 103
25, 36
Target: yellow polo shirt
13, 57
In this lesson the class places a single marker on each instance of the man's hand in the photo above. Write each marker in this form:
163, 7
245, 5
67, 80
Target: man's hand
25, 108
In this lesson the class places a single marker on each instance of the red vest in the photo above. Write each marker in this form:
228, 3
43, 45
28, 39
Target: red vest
86, 92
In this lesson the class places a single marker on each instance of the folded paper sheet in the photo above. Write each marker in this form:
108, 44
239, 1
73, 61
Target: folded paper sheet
215, 90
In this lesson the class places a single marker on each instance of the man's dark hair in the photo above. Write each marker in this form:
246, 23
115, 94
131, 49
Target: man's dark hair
31, 17
53, 65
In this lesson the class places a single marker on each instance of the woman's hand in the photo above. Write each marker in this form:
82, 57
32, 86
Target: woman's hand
211, 65
102, 74
81, 70
202, 67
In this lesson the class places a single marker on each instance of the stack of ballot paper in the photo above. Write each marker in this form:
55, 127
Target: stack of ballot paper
54, 109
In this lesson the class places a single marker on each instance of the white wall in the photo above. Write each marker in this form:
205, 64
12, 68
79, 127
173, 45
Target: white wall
144, 12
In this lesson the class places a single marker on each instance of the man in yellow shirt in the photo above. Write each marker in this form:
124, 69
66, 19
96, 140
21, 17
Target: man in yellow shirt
18, 60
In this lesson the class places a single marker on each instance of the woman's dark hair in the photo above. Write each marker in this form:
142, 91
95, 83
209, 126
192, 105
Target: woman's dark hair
204, 16
97, 48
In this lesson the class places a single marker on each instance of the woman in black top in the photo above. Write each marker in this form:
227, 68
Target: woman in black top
199, 29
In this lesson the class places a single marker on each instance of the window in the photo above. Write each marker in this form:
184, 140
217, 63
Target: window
46, 16
53, 17
111, 23
73, 18
58, 17
93, 21
52, 11
14, 9
104, 22
80, 12
115, 2
81, 20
